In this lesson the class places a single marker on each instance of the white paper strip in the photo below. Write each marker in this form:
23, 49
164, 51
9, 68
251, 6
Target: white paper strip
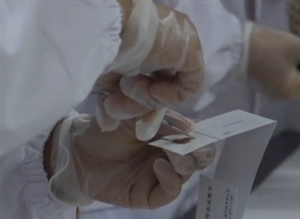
213, 130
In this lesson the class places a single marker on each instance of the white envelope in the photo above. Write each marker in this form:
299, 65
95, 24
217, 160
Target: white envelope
243, 138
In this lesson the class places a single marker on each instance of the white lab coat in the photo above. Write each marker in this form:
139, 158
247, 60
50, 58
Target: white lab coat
51, 53
222, 40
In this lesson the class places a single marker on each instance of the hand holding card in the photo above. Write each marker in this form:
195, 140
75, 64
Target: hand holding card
240, 139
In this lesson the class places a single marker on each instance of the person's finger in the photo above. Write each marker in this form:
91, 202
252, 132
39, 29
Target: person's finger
137, 88
295, 82
183, 165
293, 46
204, 156
190, 75
149, 124
169, 186
119, 106
188, 79
167, 88
178, 88
105, 122
141, 189
109, 81
182, 123
291, 87
145, 178
176, 125
197, 160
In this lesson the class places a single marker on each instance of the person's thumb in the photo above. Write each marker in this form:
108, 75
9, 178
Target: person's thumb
291, 88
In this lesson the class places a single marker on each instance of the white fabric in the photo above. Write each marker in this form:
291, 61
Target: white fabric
238, 8
220, 37
24, 185
51, 54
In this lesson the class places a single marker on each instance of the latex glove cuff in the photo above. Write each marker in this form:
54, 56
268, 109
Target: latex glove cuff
64, 186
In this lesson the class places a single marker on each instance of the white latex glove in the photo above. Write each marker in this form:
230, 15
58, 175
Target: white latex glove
159, 64
274, 61
116, 168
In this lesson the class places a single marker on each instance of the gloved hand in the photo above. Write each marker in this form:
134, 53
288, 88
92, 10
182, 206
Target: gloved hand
116, 168
159, 64
274, 61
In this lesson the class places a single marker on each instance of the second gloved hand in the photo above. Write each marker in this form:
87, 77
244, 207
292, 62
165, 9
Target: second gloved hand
116, 168
274, 61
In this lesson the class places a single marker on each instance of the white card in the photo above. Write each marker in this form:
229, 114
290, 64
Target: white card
213, 130
217, 200
239, 162
183, 149
231, 124
242, 139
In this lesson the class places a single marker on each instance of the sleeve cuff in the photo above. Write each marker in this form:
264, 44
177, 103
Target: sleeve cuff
35, 182
59, 187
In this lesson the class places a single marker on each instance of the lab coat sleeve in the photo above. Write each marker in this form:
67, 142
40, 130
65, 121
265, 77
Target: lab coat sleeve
51, 53
24, 184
